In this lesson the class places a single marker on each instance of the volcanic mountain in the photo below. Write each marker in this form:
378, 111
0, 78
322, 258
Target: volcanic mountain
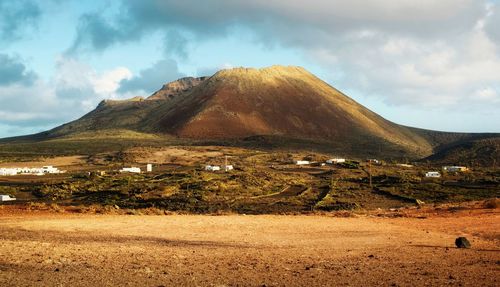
277, 102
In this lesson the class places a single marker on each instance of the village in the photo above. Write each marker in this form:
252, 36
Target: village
314, 180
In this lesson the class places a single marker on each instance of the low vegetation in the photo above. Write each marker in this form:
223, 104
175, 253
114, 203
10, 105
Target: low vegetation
263, 182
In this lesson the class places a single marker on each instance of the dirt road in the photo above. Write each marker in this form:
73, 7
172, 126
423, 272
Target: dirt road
117, 250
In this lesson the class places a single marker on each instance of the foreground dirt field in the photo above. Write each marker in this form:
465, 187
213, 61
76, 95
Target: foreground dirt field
50, 249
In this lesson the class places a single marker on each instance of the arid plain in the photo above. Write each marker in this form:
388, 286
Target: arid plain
411, 247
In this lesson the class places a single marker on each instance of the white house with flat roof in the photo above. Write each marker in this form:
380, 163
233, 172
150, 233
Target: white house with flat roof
131, 169
335, 160
432, 174
212, 168
5, 197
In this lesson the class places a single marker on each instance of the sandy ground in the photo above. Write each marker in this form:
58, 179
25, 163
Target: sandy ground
59, 161
50, 249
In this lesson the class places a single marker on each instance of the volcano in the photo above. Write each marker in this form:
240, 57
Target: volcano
276, 103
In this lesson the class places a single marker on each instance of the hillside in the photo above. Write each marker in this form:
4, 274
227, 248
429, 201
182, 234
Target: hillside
483, 152
275, 106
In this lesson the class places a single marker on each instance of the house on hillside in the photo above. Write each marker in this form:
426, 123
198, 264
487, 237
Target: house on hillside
302, 162
432, 174
335, 160
455, 168
49, 169
212, 168
404, 165
8, 171
35, 170
228, 167
131, 169
5, 197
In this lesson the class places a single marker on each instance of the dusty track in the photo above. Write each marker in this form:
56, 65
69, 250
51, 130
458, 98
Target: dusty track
46, 249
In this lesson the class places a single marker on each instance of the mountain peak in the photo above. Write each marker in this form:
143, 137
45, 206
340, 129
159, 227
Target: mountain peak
275, 70
174, 88
278, 101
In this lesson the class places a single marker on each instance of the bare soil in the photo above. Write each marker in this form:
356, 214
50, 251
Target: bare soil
58, 161
41, 248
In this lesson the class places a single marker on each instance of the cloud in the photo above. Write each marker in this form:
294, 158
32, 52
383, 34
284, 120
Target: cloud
492, 22
74, 90
425, 53
282, 21
13, 71
152, 78
16, 17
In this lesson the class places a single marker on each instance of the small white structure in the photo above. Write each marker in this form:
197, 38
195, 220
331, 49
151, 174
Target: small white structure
228, 167
49, 169
302, 162
404, 165
373, 160
149, 167
335, 160
212, 168
455, 168
8, 171
432, 174
131, 169
27, 170
4, 197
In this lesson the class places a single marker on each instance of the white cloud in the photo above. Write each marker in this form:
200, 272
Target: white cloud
488, 94
75, 89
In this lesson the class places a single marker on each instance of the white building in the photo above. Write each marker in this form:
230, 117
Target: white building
212, 168
131, 169
335, 160
4, 197
404, 165
27, 170
454, 168
228, 167
49, 169
432, 174
8, 171
302, 162
149, 167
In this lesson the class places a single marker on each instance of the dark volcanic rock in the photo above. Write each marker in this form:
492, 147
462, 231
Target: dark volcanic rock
462, 242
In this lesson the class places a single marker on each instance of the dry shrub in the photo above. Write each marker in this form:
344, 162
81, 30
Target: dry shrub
151, 211
56, 207
492, 203
37, 206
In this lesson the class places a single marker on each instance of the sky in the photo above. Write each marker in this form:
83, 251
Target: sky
426, 63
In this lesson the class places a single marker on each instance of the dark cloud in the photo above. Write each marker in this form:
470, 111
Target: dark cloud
152, 78
15, 17
97, 33
289, 22
13, 71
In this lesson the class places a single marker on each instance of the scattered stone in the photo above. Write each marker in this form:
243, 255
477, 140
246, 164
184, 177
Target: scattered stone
371, 256
57, 270
116, 206
419, 202
462, 242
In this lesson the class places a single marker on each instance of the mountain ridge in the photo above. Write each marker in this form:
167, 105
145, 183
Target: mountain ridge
274, 102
